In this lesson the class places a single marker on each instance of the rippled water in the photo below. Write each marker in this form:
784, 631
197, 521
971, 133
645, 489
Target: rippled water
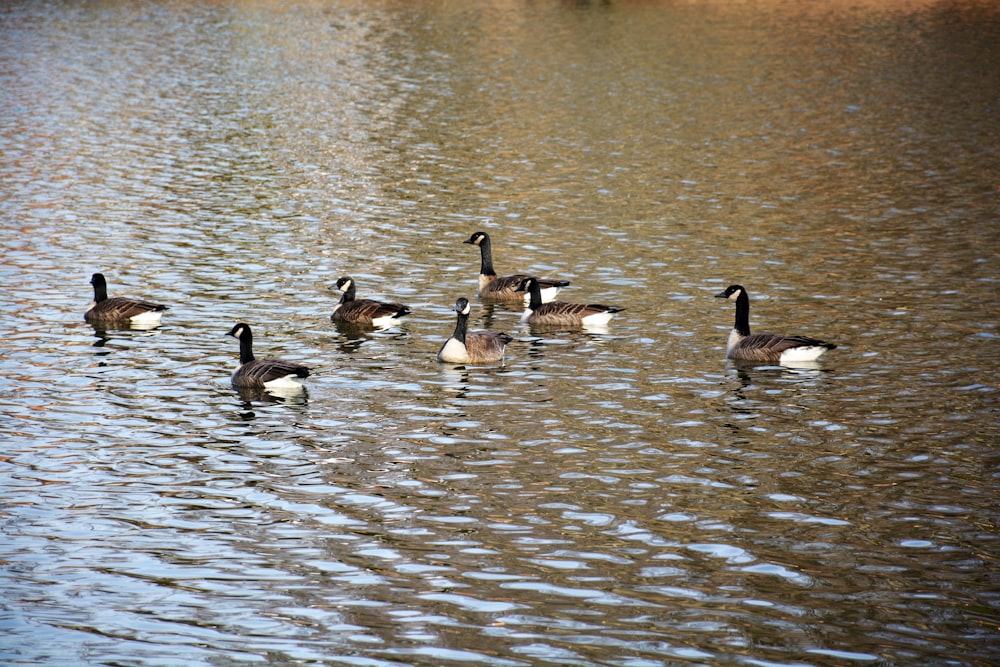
627, 498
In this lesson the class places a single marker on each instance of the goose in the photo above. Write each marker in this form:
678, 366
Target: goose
120, 309
272, 374
472, 347
774, 348
364, 311
561, 313
496, 288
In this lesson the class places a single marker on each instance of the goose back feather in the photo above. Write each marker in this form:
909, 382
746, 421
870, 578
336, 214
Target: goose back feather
765, 348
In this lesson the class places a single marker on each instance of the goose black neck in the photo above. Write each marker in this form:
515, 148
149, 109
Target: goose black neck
742, 324
348, 294
486, 268
461, 327
246, 346
535, 291
100, 290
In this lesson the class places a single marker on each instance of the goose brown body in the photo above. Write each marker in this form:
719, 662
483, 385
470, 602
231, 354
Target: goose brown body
472, 347
352, 310
120, 309
504, 288
254, 373
765, 348
262, 372
562, 313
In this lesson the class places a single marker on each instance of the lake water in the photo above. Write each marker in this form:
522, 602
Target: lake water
625, 498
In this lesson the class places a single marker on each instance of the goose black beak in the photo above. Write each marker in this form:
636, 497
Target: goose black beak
721, 295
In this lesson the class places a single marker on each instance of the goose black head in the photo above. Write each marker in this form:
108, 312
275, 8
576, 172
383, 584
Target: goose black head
462, 306
732, 292
238, 330
477, 238
344, 284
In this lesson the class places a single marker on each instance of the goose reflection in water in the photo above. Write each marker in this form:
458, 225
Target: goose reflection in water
770, 378
350, 339
250, 395
106, 338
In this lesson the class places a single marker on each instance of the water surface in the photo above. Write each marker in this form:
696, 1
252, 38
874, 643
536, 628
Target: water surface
618, 498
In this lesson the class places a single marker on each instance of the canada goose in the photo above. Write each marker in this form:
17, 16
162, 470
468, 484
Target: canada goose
561, 313
772, 348
496, 288
254, 373
472, 347
364, 311
120, 309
